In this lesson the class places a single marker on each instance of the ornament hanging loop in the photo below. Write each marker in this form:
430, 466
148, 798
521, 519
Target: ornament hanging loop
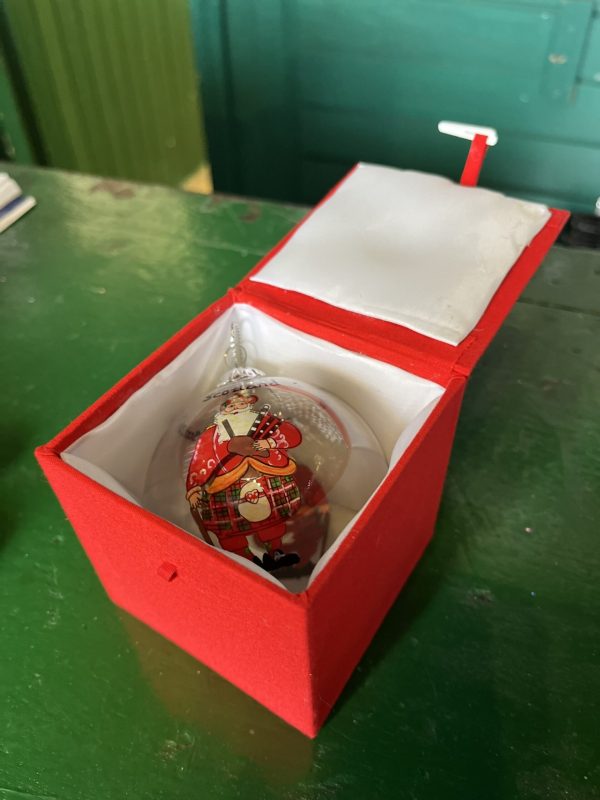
235, 355
235, 358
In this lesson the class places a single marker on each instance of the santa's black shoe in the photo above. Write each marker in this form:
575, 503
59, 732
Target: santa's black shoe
279, 559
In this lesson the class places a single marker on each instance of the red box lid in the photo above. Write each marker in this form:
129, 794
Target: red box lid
487, 226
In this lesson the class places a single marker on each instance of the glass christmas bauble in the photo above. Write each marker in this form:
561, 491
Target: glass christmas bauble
272, 469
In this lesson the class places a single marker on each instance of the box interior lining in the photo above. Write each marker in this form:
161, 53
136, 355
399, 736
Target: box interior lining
118, 453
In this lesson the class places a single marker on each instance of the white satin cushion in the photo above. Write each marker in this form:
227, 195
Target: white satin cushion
408, 247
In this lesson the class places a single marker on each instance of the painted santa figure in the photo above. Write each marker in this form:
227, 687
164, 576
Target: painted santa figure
241, 483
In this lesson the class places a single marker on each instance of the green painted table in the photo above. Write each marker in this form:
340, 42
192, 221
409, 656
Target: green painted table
483, 682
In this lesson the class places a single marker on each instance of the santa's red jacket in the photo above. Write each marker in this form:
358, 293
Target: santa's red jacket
213, 467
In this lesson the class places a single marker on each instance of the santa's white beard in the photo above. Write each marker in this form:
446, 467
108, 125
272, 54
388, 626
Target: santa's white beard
240, 422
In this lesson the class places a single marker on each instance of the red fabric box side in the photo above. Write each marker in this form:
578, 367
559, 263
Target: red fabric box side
242, 626
348, 602
273, 645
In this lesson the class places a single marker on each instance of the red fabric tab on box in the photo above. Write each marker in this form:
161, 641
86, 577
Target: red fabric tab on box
475, 159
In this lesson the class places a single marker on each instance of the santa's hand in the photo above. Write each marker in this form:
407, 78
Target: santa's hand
194, 499
262, 444
241, 445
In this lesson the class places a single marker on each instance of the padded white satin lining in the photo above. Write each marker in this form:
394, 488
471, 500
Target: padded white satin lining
118, 452
407, 247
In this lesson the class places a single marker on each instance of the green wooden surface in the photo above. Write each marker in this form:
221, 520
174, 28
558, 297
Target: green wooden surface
112, 84
484, 680
297, 91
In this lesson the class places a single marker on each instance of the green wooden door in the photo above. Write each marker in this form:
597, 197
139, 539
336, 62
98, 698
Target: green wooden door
14, 142
112, 85
297, 90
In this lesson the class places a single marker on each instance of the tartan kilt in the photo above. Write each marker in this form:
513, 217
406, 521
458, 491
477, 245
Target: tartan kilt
219, 511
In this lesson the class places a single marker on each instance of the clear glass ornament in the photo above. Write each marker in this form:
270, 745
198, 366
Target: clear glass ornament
270, 468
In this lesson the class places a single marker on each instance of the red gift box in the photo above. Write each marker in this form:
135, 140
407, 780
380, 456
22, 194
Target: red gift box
294, 652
